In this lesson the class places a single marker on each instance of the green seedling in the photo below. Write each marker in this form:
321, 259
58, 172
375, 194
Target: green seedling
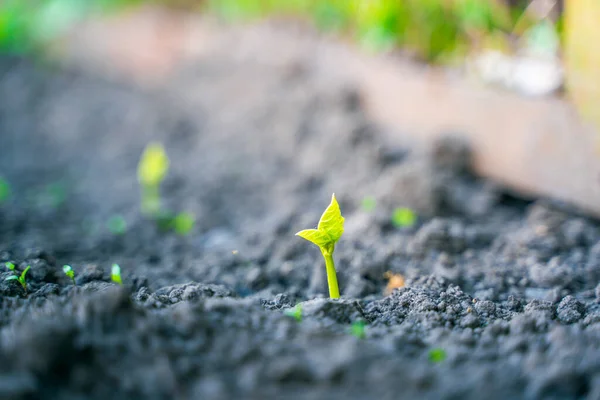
117, 225
69, 272
183, 223
437, 355
10, 266
328, 232
152, 169
358, 329
21, 278
115, 274
403, 217
369, 203
4, 190
295, 312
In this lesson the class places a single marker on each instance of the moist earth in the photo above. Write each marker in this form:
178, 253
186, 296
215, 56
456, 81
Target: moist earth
507, 287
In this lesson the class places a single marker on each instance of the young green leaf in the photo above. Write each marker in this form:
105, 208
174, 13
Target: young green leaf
10, 266
153, 165
69, 272
115, 274
12, 278
332, 222
328, 232
315, 236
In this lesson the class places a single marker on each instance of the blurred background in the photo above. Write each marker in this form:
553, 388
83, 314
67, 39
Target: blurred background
539, 50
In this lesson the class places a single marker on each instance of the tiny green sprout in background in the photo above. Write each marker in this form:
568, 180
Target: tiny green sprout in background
4, 190
295, 312
10, 266
403, 217
328, 232
115, 274
117, 225
152, 169
369, 203
183, 223
358, 329
21, 278
437, 355
69, 272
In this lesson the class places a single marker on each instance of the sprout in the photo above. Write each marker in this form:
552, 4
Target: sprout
69, 272
183, 223
403, 217
10, 266
152, 169
295, 312
115, 274
358, 329
437, 355
328, 232
20, 279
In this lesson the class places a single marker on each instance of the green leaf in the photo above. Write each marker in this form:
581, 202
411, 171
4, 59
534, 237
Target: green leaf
403, 217
115, 275
22, 279
12, 278
295, 312
332, 222
315, 236
437, 355
153, 165
358, 329
183, 223
10, 266
69, 271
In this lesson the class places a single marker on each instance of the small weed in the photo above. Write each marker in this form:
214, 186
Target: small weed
295, 312
115, 274
437, 355
403, 217
69, 272
358, 329
20, 278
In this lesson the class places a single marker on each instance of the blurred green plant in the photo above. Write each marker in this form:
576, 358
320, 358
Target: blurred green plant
295, 312
358, 329
29, 25
117, 225
152, 170
437, 355
10, 266
403, 217
369, 204
436, 30
68, 270
115, 274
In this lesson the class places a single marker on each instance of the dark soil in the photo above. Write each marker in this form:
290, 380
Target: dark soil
506, 287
